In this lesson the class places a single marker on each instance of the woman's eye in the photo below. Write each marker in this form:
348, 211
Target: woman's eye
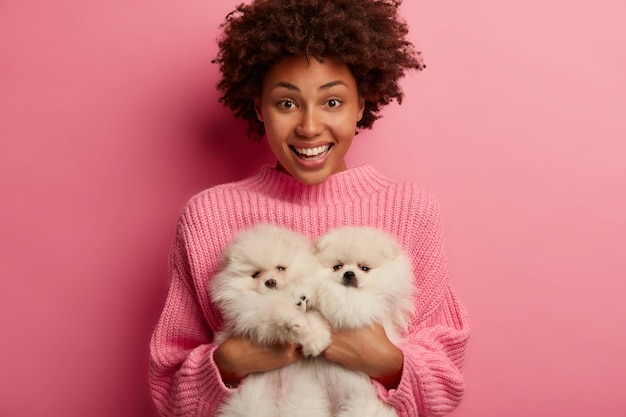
333, 103
256, 274
280, 268
337, 267
286, 104
365, 268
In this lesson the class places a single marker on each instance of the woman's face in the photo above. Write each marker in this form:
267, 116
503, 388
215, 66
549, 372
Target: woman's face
310, 111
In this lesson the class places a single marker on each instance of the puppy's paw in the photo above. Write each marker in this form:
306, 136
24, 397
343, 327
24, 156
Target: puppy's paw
315, 347
302, 302
293, 327
318, 335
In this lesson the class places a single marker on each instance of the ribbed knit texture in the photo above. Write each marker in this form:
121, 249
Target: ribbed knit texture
183, 376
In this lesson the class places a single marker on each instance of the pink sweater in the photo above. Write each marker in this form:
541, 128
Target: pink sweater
183, 376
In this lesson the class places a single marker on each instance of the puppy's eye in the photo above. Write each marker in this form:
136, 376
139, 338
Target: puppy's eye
364, 268
280, 268
256, 274
337, 267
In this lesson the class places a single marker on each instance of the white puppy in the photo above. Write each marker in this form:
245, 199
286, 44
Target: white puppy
366, 279
262, 293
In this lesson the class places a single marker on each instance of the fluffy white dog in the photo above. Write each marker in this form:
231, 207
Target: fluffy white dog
262, 293
366, 279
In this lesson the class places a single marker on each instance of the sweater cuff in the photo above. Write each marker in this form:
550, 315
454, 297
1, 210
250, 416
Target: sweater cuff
208, 373
428, 385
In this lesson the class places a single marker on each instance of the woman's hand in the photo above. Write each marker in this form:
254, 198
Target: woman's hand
368, 350
237, 357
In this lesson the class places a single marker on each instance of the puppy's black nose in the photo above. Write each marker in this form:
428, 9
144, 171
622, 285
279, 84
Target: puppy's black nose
270, 283
349, 279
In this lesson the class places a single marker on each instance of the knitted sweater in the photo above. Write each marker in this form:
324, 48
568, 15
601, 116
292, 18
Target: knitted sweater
184, 379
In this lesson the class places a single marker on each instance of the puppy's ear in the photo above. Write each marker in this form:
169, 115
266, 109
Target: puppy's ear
320, 244
223, 260
390, 251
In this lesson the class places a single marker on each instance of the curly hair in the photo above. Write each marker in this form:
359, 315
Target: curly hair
366, 35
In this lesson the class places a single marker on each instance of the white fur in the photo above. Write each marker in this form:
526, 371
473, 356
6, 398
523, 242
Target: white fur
381, 291
262, 292
291, 311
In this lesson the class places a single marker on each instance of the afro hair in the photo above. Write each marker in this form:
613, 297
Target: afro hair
368, 36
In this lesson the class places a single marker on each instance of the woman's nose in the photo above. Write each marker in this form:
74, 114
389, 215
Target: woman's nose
310, 124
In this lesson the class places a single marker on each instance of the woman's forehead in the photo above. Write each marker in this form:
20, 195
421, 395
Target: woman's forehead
296, 73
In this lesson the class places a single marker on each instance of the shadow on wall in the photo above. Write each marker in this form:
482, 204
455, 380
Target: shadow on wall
213, 147
221, 140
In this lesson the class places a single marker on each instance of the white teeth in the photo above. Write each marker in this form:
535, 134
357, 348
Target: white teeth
312, 151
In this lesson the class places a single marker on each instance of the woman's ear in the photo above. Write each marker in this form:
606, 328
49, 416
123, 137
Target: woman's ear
257, 109
361, 109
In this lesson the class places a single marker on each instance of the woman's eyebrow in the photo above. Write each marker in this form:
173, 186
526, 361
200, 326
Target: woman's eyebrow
289, 86
286, 85
332, 84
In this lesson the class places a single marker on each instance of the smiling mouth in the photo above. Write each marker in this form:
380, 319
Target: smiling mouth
311, 154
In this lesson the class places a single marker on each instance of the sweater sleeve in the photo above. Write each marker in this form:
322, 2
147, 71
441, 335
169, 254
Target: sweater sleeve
184, 380
434, 351
432, 383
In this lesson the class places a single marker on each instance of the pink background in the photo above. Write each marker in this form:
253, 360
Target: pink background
109, 122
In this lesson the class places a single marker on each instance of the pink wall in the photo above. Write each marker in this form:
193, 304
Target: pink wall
109, 123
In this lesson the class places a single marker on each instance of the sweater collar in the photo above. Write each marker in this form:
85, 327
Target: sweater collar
344, 186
